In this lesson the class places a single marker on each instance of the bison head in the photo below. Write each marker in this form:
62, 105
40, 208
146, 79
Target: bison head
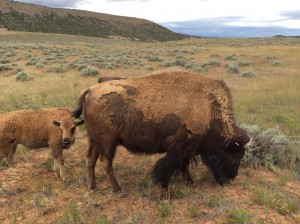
223, 157
68, 127
234, 151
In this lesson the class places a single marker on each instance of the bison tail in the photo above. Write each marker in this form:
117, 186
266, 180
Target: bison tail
78, 111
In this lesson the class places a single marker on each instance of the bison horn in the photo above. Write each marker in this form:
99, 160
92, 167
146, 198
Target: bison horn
248, 143
237, 143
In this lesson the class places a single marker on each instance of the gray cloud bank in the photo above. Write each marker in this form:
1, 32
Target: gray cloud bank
293, 15
54, 3
217, 28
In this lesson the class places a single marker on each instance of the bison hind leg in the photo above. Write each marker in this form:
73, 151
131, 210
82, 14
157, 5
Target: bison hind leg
107, 153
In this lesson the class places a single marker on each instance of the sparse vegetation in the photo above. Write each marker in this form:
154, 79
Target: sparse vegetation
164, 209
23, 76
89, 71
238, 216
248, 74
266, 189
270, 148
233, 69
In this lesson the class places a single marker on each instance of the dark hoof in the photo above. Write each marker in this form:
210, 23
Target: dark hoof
92, 186
222, 180
121, 194
190, 183
165, 194
117, 189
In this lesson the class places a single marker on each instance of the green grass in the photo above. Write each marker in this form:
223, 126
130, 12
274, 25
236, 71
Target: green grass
72, 216
238, 216
164, 209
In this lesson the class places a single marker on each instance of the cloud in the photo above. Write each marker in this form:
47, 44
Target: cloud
218, 27
293, 15
54, 3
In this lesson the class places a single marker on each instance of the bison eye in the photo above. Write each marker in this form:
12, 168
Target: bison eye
73, 130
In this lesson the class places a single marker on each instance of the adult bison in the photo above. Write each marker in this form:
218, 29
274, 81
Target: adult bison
180, 113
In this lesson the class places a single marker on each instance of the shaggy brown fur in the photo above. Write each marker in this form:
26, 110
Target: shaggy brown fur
181, 113
54, 128
107, 78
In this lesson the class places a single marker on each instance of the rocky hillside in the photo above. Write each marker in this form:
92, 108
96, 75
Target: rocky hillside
18, 16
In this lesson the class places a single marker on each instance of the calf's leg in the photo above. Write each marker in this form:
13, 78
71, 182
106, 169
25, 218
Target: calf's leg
91, 156
58, 165
10, 156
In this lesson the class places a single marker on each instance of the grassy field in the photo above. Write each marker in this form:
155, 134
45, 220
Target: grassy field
46, 70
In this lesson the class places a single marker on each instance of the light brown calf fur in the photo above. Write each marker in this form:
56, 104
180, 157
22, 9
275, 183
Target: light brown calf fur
54, 128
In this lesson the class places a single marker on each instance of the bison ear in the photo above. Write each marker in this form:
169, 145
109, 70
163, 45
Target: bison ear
81, 122
56, 123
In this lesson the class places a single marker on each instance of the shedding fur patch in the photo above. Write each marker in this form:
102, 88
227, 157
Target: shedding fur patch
196, 99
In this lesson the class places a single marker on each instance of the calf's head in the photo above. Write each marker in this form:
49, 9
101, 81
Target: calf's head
68, 128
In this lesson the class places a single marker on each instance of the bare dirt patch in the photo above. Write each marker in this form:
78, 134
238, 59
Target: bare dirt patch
30, 193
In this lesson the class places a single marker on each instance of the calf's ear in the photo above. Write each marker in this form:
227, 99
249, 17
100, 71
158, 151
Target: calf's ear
56, 123
81, 122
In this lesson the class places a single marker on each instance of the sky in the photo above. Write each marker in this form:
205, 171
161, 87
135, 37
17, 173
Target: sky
208, 18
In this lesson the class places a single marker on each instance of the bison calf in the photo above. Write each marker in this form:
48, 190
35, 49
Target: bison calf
54, 128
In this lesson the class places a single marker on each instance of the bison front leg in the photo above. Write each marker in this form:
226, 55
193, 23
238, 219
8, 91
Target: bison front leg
165, 167
58, 165
92, 155
186, 173
214, 164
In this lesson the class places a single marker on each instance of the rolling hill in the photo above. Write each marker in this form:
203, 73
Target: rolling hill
16, 16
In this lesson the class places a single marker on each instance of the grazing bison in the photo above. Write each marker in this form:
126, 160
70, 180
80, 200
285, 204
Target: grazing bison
183, 114
52, 127
107, 78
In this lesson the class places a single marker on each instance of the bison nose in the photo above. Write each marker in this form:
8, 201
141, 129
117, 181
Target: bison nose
66, 141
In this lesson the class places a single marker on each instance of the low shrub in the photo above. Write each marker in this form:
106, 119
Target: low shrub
4, 67
244, 63
154, 59
33, 61
269, 148
233, 69
90, 71
149, 68
247, 74
4, 60
59, 69
275, 62
230, 58
23, 76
